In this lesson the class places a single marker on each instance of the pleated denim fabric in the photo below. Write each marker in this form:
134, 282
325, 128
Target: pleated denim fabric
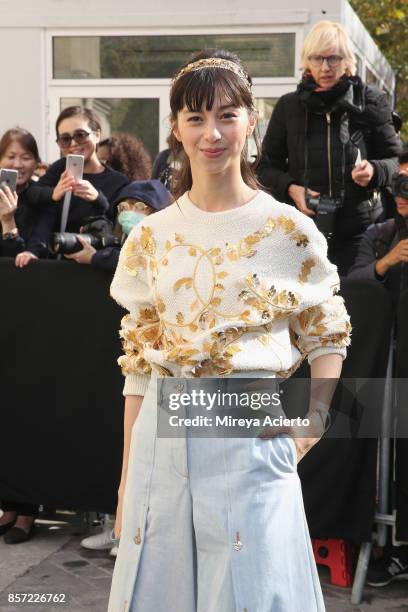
212, 525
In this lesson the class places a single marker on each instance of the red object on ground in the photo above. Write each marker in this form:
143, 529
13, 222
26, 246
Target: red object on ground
339, 556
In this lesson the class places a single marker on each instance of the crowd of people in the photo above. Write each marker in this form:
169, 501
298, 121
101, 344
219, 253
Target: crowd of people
331, 150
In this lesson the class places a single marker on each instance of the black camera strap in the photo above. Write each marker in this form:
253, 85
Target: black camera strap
306, 154
344, 139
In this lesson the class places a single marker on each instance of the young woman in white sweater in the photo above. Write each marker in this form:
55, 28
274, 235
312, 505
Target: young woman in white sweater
226, 282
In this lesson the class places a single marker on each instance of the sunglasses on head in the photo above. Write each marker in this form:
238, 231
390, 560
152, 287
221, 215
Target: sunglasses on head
80, 137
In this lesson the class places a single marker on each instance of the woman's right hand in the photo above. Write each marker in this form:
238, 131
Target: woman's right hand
65, 183
399, 254
24, 258
297, 193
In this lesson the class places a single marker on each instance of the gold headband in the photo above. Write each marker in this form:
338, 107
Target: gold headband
214, 62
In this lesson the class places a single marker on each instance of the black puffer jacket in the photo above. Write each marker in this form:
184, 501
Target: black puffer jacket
318, 120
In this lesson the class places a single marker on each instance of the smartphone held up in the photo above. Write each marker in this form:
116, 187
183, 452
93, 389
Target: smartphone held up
75, 166
8, 178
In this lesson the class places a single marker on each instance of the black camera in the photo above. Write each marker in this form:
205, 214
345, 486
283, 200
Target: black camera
98, 232
326, 209
400, 186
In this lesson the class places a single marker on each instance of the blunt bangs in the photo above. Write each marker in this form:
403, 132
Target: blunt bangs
200, 88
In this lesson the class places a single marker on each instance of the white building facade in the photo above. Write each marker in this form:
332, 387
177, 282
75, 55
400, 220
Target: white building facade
118, 58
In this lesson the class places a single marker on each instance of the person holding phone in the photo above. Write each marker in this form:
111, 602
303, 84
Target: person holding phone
23, 202
78, 132
135, 201
225, 282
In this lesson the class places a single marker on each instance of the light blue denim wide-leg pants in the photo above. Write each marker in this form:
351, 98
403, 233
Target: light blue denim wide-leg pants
212, 525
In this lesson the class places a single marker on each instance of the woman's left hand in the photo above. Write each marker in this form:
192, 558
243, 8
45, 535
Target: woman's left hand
83, 189
304, 436
85, 255
363, 173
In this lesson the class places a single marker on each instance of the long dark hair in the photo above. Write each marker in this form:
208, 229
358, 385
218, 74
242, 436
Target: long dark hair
24, 138
194, 89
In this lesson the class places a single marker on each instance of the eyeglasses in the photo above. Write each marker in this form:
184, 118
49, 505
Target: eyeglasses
80, 137
332, 60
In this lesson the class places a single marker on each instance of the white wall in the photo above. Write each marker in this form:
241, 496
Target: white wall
131, 13
23, 27
22, 81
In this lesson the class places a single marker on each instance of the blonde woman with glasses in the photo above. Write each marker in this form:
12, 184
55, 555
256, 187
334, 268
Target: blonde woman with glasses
331, 144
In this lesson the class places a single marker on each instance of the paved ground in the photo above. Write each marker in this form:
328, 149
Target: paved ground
53, 562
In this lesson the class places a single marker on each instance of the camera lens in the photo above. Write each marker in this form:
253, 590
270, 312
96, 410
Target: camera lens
65, 243
404, 188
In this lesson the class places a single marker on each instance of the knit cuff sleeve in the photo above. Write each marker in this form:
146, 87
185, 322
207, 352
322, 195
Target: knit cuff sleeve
318, 352
136, 384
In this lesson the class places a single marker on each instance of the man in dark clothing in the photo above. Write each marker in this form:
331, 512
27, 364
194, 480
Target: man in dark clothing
383, 256
383, 251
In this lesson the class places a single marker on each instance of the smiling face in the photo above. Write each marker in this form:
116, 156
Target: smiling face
326, 75
17, 158
214, 139
69, 126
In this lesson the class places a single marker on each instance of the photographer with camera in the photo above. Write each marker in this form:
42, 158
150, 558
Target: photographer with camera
383, 255
78, 133
383, 251
101, 248
331, 143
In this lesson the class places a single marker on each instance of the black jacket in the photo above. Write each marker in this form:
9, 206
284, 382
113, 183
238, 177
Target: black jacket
108, 183
319, 120
32, 201
377, 241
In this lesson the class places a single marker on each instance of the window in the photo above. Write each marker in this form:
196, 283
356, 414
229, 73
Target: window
158, 57
136, 116
264, 106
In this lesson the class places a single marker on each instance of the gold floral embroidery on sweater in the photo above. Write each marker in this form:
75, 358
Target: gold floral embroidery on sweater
262, 304
313, 322
146, 332
134, 257
270, 303
307, 266
245, 247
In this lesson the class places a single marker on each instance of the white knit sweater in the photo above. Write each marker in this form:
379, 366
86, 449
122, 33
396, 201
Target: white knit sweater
213, 293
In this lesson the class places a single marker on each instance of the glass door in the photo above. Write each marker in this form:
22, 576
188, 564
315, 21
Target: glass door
139, 111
